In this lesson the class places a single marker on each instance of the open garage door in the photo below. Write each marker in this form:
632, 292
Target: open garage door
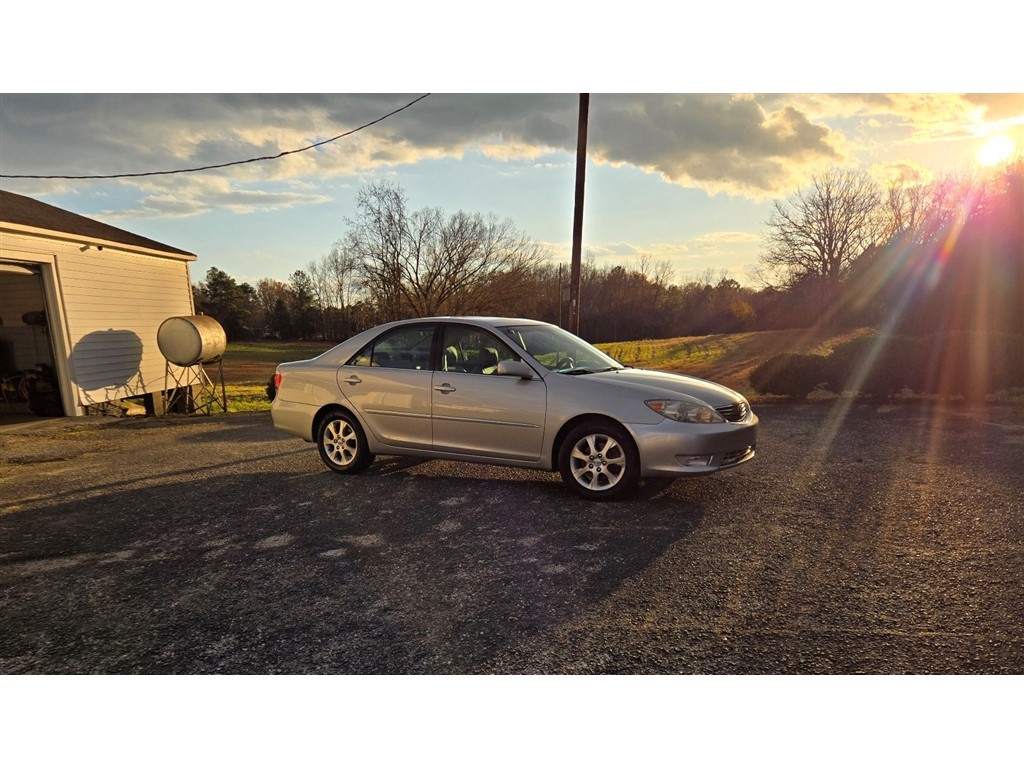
28, 379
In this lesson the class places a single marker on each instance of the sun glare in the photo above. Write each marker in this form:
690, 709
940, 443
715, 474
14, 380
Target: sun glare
995, 150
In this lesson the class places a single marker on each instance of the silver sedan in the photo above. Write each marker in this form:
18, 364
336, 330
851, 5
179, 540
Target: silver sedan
509, 391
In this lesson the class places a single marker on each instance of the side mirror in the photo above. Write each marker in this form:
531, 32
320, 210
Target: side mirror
514, 368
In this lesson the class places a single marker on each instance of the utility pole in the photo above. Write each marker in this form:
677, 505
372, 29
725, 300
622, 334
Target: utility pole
561, 297
577, 219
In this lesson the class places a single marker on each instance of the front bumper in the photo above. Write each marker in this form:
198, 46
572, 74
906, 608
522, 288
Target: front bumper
670, 449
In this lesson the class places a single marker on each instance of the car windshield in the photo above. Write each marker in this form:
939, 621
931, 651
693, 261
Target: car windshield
560, 351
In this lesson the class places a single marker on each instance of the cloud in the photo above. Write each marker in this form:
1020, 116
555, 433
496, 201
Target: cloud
718, 143
705, 251
906, 172
119, 134
195, 196
999, 106
759, 146
924, 117
727, 238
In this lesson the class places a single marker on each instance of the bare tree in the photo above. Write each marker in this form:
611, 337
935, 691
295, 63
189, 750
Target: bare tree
904, 206
920, 213
820, 231
426, 263
341, 265
377, 239
320, 287
658, 274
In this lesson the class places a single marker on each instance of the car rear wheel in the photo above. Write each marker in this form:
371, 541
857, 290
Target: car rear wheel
342, 444
599, 461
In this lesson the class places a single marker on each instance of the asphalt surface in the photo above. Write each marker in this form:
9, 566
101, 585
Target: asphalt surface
859, 540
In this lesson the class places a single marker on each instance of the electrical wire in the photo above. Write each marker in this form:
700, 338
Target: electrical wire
221, 165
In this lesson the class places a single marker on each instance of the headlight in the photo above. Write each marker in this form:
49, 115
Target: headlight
686, 411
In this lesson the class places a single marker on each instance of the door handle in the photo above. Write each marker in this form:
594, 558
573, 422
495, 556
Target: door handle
445, 389
353, 380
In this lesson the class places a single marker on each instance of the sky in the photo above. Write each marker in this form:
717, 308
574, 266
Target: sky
687, 179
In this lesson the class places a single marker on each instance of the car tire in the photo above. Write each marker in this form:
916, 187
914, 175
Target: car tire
599, 461
341, 443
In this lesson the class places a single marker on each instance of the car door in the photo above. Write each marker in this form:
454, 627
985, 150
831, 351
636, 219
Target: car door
388, 384
474, 410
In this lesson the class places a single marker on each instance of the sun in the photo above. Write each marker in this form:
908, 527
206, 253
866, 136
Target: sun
995, 150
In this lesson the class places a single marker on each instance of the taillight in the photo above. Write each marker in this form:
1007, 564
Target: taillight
273, 385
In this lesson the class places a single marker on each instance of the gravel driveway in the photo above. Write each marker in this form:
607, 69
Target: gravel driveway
860, 540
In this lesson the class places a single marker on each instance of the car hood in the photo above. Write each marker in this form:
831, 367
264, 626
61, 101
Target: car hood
662, 384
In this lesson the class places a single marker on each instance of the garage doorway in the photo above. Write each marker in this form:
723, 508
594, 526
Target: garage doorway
29, 385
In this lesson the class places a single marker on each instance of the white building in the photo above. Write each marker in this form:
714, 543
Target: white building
84, 299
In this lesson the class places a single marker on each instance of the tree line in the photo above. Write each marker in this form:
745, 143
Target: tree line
842, 251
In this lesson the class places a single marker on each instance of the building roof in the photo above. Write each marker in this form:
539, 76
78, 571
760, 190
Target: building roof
28, 212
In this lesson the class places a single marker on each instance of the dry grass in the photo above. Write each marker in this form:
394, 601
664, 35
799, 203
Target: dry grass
726, 358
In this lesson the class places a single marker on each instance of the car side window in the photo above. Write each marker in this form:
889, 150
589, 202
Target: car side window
400, 348
472, 350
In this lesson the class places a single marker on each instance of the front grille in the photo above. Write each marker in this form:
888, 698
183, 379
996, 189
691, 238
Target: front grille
735, 412
736, 456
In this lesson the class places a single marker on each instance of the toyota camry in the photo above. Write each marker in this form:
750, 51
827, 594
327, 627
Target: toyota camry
514, 392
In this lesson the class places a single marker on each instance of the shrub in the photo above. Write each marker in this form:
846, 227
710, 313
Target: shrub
972, 365
954, 364
789, 374
878, 365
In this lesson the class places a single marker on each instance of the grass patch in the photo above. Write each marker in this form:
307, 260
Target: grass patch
246, 398
274, 351
253, 362
690, 350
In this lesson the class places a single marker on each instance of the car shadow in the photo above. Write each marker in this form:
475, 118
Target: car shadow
212, 428
389, 465
409, 568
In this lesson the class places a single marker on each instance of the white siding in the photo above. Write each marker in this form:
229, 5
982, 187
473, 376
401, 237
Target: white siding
114, 303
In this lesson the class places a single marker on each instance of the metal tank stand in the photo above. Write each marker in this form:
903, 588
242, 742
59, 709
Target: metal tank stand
190, 391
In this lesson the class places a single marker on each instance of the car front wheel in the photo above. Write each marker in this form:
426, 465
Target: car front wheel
342, 444
599, 461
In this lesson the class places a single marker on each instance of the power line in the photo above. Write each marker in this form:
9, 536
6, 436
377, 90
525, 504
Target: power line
221, 165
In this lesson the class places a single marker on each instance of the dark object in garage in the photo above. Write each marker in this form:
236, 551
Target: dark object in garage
43, 393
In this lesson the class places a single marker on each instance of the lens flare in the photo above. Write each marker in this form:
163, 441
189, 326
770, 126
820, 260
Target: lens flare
995, 150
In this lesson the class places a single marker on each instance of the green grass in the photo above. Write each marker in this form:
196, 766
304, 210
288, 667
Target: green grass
673, 352
273, 351
246, 398
253, 362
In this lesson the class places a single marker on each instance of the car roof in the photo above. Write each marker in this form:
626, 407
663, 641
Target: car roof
496, 321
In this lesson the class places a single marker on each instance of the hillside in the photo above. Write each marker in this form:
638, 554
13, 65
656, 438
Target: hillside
725, 358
